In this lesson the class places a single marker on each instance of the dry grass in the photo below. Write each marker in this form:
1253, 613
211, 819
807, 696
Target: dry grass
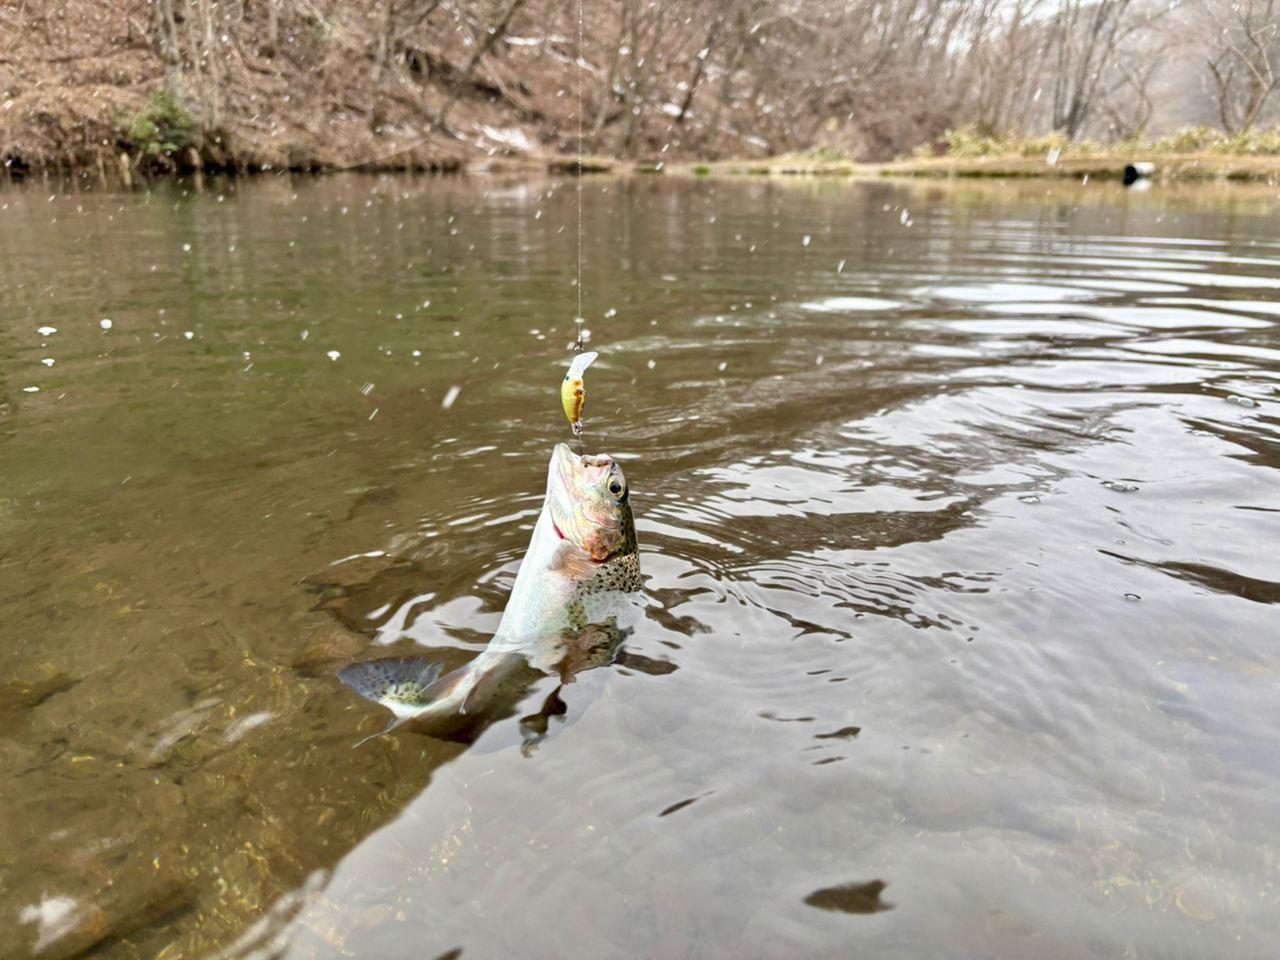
967, 144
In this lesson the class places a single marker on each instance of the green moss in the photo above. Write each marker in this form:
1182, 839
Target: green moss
702, 170
162, 128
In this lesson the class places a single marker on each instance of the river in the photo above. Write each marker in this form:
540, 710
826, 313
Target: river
958, 508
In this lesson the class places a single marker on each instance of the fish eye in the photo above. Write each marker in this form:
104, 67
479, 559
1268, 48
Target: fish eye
616, 488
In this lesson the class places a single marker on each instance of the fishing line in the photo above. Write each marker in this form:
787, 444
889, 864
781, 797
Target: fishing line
577, 345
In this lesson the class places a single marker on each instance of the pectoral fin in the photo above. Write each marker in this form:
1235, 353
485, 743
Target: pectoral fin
575, 561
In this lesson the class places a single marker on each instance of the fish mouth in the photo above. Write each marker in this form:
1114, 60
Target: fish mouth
572, 482
564, 490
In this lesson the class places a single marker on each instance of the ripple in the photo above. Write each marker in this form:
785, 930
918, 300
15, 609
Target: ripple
849, 304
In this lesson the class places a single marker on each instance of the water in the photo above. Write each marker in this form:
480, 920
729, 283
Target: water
961, 566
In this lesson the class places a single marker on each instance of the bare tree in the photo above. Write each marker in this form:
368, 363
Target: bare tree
1129, 103
1083, 38
1001, 69
1242, 61
493, 32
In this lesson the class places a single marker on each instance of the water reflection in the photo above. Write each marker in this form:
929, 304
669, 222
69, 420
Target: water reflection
907, 620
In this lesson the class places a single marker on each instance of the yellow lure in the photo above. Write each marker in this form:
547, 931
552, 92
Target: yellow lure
572, 393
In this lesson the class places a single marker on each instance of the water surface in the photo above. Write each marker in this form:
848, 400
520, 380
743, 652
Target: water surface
958, 508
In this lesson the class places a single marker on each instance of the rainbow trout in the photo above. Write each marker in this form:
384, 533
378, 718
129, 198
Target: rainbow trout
578, 579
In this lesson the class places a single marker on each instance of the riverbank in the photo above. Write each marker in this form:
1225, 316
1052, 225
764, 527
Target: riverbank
1183, 168
136, 92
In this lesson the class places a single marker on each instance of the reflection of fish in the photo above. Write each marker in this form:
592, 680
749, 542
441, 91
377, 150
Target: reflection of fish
573, 393
581, 572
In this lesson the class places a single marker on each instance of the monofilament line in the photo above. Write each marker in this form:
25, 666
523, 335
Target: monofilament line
577, 346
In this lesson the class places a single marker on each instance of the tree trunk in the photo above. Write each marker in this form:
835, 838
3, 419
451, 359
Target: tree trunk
495, 34
606, 95
700, 69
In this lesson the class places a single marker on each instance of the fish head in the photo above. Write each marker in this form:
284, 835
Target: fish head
588, 504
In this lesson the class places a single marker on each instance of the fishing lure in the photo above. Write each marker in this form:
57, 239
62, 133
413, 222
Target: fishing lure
572, 393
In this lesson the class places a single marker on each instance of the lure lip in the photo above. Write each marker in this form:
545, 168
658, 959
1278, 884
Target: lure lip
578, 366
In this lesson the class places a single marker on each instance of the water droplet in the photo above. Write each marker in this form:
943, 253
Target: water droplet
104, 323
417, 353
186, 248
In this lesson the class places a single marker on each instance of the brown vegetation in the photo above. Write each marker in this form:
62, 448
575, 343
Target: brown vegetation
123, 85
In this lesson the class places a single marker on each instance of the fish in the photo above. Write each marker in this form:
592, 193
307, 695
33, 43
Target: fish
572, 602
573, 392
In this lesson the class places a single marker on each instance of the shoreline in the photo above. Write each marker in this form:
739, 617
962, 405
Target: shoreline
1189, 167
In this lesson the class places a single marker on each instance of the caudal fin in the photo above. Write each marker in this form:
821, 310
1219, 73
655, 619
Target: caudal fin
407, 686
402, 684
